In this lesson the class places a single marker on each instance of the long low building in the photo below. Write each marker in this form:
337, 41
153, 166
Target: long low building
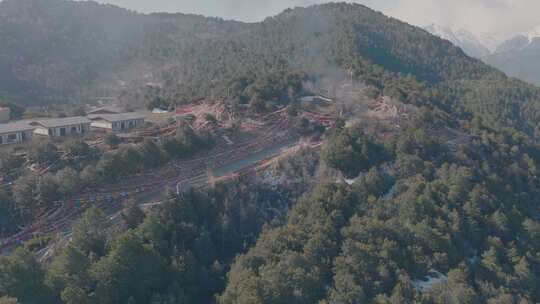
15, 132
58, 127
117, 122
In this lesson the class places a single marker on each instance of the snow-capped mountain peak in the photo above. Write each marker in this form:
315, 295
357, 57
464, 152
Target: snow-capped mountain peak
533, 34
525, 40
491, 42
471, 44
442, 31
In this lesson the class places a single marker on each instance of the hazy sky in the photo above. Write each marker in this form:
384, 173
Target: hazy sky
500, 17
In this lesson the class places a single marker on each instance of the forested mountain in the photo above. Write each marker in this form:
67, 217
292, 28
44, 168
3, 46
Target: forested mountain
63, 48
461, 214
56, 50
418, 203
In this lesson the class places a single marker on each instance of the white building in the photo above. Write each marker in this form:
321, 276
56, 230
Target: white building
57, 127
15, 132
117, 122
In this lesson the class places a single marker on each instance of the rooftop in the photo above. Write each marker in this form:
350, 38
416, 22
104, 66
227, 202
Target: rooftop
61, 122
110, 109
117, 117
13, 127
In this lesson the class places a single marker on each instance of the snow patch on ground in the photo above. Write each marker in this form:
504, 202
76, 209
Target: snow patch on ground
533, 34
433, 277
350, 181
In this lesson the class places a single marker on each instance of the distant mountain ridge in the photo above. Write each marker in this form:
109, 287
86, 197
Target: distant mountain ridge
533, 34
520, 41
474, 46
519, 56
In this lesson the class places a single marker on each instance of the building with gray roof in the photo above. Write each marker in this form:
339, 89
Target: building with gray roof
117, 122
57, 127
15, 132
